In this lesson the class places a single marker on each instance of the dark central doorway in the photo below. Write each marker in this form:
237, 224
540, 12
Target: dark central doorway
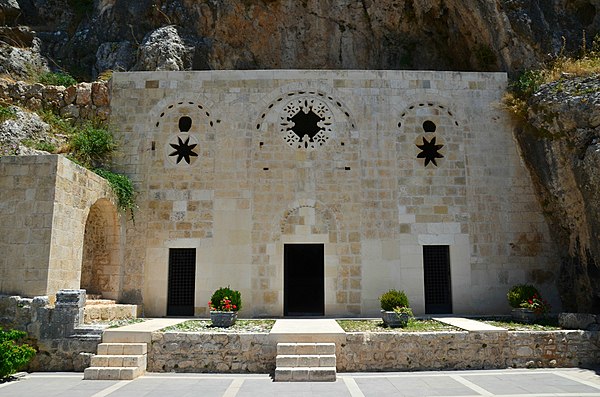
182, 282
304, 280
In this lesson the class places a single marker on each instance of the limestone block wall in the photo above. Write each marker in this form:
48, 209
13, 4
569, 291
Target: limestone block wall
196, 352
368, 352
44, 207
400, 160
467, 350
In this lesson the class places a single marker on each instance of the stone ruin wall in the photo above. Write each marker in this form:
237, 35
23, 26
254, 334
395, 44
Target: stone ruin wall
85, 101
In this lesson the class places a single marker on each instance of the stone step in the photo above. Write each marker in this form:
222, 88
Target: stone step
91, 297
119, 361
133, 349
108, 312
113, 373
94, 302
88, 332
305, 374
298, 360
305, 348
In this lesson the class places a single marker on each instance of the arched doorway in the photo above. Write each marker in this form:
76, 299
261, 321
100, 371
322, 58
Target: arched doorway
100, 268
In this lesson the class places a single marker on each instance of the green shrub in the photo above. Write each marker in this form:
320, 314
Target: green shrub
393, 299
39, 145
122, 186
57, 78
528, 83
14, 355
7, 113
521, 293
57, 123
225, 293
92, 146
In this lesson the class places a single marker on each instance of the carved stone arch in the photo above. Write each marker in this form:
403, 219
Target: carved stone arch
429, 132
313, 218
319, 109
100, 265
182, 130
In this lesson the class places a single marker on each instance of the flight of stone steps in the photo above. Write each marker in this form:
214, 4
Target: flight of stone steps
118, 361
305, 362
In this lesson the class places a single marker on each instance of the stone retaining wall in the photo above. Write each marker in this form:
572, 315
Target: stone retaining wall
80, 101
255, 353
194, 352
464, 350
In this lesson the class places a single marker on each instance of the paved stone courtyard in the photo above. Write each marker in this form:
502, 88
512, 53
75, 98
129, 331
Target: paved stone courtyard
506, 383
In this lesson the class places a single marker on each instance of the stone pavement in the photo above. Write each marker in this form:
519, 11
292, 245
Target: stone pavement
505, 383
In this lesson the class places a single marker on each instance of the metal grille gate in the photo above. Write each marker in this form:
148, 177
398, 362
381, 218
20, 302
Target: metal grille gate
182, 282
436, 269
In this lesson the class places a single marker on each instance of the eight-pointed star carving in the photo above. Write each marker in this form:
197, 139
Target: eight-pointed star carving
430, 151
183, 150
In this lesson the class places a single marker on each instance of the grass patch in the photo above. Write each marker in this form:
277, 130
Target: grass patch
124, 322
205, 326
8, 149
414, 325
547, 324
39, 145
558, 68
56, 78
7, 113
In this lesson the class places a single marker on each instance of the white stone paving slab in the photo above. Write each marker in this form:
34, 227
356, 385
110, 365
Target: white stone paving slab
469, 325
139, 332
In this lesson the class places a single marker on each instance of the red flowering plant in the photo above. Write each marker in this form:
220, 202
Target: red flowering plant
225, 300
537, 304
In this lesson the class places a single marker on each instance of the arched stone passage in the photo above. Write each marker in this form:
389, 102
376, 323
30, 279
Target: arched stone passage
100, 268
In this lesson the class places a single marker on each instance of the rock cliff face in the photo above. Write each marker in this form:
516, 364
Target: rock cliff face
561, 145
90, 36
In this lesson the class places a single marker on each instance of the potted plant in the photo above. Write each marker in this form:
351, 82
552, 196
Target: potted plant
224, 305
395, 310
527, 303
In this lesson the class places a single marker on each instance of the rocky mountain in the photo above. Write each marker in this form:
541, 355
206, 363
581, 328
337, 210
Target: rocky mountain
560, 143
560, 138
89, 36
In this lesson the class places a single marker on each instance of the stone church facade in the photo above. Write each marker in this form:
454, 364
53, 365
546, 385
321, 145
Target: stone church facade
313, 192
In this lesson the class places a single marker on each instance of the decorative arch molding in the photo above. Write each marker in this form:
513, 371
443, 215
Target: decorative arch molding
100, 265
319, 94
431, 132
312, 216
306, 116
182, 129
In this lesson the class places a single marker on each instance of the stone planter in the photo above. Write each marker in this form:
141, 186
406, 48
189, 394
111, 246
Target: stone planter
393, 320
223, 319
526, 316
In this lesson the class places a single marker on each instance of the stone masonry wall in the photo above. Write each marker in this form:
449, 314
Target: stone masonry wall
44, 203
255, 353
193, 352
50, 329
219, 168
79, 101
26, 210
464, 350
